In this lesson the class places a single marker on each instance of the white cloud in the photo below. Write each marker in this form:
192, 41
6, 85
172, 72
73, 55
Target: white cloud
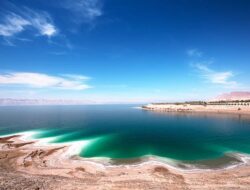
41, 21
194, 53
12, 25
40, 80
216, 77
15, 23
84, 10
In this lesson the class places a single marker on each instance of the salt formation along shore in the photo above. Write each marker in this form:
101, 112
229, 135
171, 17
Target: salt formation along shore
32, 164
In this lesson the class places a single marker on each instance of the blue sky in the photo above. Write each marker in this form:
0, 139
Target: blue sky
124, 50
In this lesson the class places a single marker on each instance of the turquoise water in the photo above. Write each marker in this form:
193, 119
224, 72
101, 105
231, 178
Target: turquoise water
122, 132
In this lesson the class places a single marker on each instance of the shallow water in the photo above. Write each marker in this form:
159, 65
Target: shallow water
121, 132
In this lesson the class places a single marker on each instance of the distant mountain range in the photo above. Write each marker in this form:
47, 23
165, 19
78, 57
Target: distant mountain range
234, 96
12, 101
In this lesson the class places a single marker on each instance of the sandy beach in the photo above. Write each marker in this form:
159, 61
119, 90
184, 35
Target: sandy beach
30, 165
232, 109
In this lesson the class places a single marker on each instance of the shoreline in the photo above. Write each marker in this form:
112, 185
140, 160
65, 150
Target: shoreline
188, 108
73, 149
17, 154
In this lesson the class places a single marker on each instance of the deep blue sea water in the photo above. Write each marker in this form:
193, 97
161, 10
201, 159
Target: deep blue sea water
123, 132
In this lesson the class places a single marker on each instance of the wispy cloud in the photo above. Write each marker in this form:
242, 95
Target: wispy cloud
40, 80
84, 10
223, 78
194, 53
41, 21
76, 77
26, 19
12, 25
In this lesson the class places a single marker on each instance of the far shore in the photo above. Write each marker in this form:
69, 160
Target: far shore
231, 107
30, 165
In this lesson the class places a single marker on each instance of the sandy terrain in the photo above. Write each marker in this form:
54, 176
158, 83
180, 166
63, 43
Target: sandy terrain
25, 165
242, 109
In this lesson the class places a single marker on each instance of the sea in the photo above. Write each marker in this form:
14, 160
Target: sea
126, 134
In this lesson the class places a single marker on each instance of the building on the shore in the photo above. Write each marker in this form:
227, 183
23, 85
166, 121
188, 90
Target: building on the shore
205, 103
